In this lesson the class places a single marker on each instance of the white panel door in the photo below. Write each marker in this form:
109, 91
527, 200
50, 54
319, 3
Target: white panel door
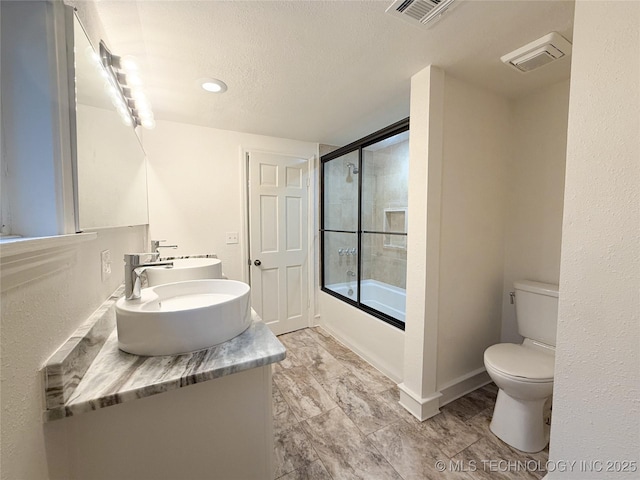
278, 206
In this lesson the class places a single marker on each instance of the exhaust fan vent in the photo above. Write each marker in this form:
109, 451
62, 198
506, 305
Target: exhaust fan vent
422, 13
538, 53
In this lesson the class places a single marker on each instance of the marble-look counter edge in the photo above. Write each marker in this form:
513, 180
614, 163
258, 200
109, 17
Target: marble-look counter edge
116, 377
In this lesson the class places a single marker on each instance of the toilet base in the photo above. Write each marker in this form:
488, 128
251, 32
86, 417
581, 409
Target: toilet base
520, 423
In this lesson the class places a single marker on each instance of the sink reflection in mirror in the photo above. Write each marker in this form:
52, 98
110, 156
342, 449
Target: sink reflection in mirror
185, 269
183, 317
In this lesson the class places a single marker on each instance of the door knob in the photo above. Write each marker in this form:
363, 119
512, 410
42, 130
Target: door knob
257, 263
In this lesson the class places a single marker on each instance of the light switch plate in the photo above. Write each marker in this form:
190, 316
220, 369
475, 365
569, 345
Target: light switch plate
105, 257
232, 237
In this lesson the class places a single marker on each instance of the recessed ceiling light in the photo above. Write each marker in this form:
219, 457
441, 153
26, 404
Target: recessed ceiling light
213, 85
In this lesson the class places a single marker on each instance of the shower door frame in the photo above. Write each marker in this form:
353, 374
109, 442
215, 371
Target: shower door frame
359, 146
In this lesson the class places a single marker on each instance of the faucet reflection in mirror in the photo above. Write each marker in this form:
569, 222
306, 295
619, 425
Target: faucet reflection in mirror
124, 88
155, 246
134, 266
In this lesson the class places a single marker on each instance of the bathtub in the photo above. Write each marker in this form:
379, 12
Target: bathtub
379, 295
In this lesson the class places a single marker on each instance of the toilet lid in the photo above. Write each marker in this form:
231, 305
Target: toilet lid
520, 361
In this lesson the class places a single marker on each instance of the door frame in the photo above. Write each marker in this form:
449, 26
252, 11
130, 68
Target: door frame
312, 237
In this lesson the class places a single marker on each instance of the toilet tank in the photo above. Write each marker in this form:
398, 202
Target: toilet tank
537, 310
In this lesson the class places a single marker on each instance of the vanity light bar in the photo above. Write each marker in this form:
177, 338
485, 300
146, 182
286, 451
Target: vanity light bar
132, 105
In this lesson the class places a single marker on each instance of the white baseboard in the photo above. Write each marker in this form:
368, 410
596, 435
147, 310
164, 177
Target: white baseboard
424, 408
460, 386
354, 348
421, 408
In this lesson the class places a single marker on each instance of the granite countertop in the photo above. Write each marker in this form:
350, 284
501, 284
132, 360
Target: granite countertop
90, 372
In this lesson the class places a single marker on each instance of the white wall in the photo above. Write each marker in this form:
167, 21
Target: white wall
474, 183
196, 193
418, 387
459, 151
596, 402
535, 182
37, 318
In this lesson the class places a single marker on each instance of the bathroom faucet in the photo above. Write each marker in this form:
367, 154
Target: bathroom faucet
155, 246
351, 273
133, 268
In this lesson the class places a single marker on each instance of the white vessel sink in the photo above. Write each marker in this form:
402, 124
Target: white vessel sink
185, 269
183, 317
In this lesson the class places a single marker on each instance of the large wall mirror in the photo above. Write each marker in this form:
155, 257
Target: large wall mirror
110, 163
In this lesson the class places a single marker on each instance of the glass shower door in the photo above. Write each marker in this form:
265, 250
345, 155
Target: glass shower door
363, 226
340, 225
385, 170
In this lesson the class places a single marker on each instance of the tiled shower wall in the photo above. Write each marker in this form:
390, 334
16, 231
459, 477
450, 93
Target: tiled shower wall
386, 187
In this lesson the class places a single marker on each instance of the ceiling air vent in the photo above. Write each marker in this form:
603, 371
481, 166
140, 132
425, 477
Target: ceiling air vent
422, 13
538, 53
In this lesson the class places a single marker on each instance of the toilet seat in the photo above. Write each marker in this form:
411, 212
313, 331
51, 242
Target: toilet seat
520, 362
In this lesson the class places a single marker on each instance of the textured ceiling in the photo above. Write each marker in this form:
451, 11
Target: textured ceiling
322, 71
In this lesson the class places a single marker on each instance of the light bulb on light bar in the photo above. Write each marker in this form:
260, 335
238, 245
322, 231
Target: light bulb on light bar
123, 111
134, 80
213, 85
140, 98
148, 123
145, 114
129, 63
124, 84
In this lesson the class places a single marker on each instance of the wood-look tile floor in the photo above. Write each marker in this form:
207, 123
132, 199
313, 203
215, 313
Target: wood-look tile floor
337, 417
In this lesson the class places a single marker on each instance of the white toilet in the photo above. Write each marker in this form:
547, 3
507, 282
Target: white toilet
524, 372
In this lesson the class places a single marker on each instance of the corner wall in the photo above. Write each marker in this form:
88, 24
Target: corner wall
418, 392
596, 401
474, 184
459, 152
535, 196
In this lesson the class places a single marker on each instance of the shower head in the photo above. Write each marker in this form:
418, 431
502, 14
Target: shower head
352, 168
